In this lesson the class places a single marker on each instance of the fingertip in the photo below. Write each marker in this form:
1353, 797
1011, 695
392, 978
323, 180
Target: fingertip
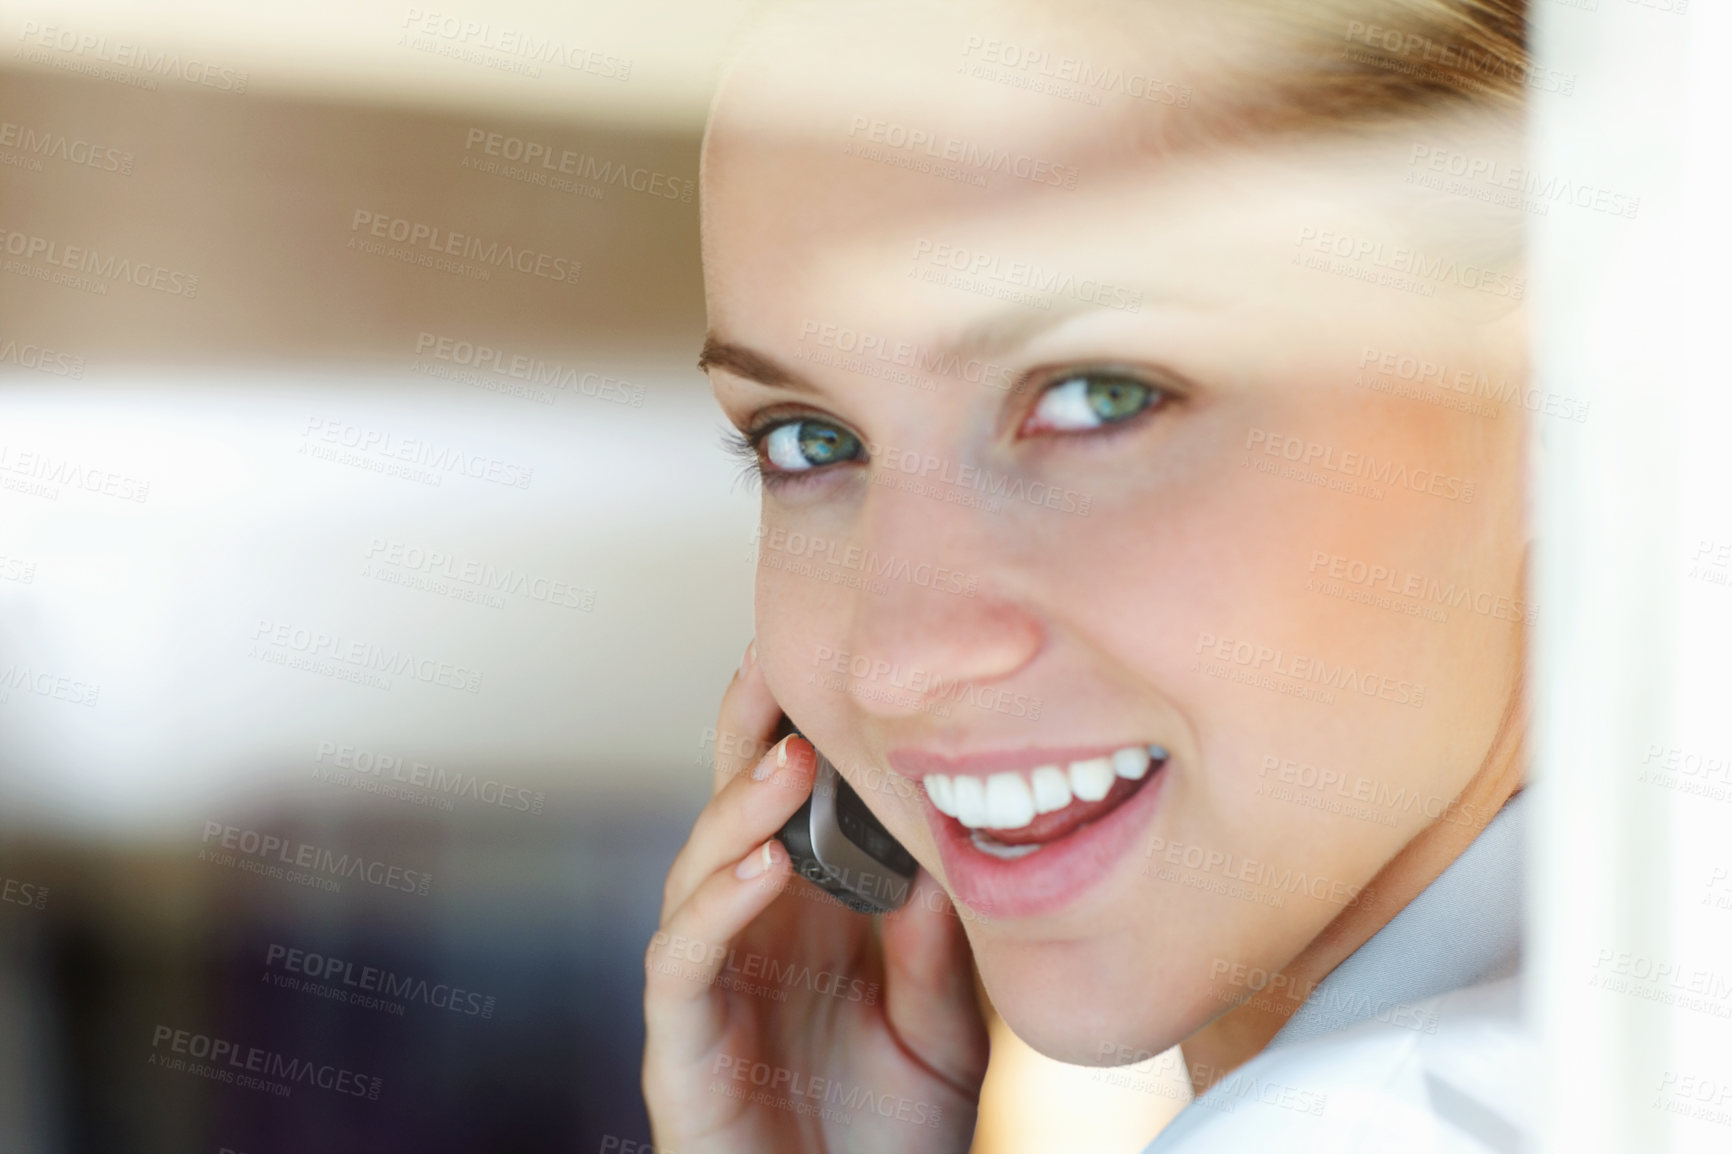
797, 752
772, 876
790, 762
760, 861
773, 759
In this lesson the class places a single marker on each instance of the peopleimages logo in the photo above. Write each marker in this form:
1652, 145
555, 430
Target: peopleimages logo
107, 267
792, 1090
471, 39
1496, 175
1361, 466
443, 242
17, 678
1438, 376
53, 472
870, 346
93, 50
226, 1058
17, 569
419, 459
961, 267
924, 683
579, 165
359, 981
59, 146
1333, 785
936, 475
742, 971
284, 643
268, 847
482, 577
971, 155
1310, 668
1069, 77
869, 562
24, 893
1419, 587
418, 774
1457, 64
1371, 257
43, 360
533, 371
1261, 874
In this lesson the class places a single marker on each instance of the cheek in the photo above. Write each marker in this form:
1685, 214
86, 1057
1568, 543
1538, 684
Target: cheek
802, 623
1218, 598
801, 628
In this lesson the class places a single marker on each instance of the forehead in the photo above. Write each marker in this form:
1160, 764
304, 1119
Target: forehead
918, 169
841, 103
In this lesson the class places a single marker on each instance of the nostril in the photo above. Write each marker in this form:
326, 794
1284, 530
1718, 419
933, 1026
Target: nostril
910, 656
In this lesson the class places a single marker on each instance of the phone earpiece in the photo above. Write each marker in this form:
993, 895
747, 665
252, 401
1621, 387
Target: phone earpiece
836, 843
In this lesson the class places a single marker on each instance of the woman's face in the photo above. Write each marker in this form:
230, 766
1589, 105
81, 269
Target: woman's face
1088, 432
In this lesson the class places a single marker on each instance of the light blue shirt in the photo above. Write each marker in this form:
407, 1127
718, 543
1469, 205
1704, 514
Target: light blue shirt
1414, 1043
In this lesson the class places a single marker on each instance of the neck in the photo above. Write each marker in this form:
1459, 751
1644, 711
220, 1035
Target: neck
1240, 1034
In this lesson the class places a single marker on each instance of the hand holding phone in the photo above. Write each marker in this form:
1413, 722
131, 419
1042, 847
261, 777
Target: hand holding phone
837, 844
749, 978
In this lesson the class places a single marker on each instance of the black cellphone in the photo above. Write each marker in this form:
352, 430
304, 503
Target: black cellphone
836, 844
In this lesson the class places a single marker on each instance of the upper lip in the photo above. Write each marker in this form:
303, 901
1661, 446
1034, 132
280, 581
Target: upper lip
915, 764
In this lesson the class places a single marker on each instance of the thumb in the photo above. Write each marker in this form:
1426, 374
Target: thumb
929, 987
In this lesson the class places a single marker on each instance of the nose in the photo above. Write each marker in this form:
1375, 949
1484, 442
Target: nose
944, 621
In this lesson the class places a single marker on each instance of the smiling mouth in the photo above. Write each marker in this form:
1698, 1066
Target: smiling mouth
1011, 815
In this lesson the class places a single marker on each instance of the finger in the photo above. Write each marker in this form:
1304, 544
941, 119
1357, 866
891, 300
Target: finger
747, 722
687, 952
683, 1022
748, 810
929, 987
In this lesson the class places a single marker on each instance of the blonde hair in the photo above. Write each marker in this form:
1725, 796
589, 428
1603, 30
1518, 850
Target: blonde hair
1355, 61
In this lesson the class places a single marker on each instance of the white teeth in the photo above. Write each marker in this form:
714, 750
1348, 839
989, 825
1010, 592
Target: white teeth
1009, 804
1131, 762
970, 796
938, 788
1051, 789
1090, 780
998, 850
1011, 800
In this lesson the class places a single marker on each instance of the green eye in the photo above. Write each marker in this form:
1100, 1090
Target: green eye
1091, 400
801, 445
1114, 398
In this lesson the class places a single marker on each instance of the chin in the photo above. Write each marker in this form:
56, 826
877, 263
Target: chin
1085, 1006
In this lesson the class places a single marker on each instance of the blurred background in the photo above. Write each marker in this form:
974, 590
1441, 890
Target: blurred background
370, 572
364, 608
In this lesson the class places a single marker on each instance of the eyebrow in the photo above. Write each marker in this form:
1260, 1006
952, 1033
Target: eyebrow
994, 335
750, 364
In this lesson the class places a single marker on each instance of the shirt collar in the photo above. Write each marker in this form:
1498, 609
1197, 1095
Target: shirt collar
1463, 929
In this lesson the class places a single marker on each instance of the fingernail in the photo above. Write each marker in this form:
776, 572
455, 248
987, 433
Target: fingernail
751, 655
764, 769
756, 862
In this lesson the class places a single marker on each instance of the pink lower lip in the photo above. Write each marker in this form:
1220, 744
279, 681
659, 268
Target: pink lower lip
1053, 876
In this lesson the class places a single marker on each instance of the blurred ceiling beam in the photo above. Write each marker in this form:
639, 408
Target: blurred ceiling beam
648, 65
258, 196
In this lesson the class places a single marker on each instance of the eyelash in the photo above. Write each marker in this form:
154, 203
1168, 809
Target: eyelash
745, 447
